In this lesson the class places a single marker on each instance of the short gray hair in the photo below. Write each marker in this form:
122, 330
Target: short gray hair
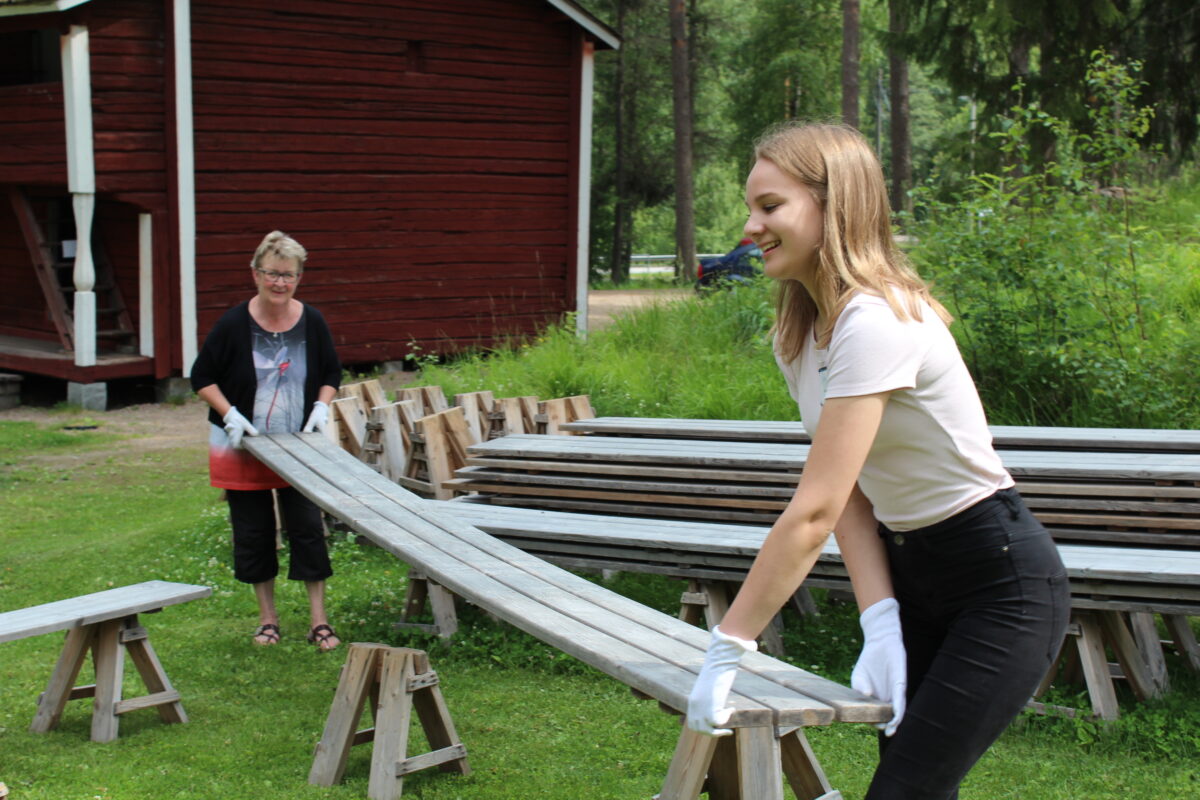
280, 245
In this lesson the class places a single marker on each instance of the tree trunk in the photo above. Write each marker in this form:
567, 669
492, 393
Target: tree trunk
685, 227
901, 138
619, 259
850, 26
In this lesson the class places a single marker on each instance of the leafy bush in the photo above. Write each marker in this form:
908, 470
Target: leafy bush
1071, 309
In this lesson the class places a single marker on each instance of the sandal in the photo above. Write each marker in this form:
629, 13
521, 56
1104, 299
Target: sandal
320, 635
269, 632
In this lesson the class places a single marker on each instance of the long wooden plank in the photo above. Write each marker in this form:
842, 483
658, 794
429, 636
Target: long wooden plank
845, 700
566, 590
639, 484
1124, 577
748, 501
1082, 561
525, 609
1004, 436
1180, 532
1101, 578
765, 455
1073, 510
96, 607
645, 470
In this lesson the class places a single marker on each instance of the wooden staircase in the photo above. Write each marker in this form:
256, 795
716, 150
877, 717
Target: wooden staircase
46, 222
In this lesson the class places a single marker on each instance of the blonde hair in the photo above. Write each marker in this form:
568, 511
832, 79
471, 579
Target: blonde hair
280, 245
857, 252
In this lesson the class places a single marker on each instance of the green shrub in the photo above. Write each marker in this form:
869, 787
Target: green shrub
1072, 310
700, 356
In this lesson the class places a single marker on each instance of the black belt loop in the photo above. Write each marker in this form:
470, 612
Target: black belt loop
1010, 498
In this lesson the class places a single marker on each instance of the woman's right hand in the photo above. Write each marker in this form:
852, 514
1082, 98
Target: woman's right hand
237, 426
706, 711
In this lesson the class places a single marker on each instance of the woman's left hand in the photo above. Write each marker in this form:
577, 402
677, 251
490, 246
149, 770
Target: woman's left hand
882, 668
317, 419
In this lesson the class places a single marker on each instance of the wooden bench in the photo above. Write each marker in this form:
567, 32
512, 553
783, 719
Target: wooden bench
1005, 437
1113, 590
106, 624
657, 655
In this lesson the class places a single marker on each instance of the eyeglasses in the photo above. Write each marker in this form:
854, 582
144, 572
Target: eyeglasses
272, 276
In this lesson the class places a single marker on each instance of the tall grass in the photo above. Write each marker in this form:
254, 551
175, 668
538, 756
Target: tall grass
701, 356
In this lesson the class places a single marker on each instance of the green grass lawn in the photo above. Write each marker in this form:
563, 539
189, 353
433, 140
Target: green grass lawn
83, 511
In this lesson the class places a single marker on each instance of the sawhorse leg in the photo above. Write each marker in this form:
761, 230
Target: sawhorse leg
108, 642
749, 765
422, 591
712, 598
1184, 638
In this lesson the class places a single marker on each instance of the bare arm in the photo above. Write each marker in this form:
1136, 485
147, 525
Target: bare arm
839, 450
325, 394
863, 551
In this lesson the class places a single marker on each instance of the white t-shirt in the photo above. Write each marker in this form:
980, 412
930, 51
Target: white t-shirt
933, 455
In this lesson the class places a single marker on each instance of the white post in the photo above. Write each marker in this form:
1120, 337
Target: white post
583, 223
186, 181
81, 180
145, 284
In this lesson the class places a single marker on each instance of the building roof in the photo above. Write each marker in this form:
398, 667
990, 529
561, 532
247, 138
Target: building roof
582, 17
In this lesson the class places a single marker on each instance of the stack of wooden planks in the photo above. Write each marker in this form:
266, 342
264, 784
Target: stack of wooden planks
1114, 498
1005, 437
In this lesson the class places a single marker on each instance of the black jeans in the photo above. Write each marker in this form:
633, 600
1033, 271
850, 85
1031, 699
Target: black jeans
252, 515
984, 606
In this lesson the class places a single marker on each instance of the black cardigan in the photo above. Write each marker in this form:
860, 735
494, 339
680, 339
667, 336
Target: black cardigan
227, 360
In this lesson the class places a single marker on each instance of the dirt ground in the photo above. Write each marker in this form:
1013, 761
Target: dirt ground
603, 305
153, 426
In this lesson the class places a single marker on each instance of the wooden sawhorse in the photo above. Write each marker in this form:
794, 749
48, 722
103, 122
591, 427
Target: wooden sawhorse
397, 680
106, 625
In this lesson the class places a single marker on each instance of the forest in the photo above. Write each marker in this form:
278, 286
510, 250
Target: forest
1040, 156
930, 83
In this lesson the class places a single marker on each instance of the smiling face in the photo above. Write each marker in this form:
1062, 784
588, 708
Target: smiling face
276, 293
785, 221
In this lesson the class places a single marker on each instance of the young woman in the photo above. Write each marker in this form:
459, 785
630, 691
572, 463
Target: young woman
266, 366
962, 595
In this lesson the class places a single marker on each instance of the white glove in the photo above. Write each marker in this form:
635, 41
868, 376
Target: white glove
237, 426
706, 711
317, 419
882, 668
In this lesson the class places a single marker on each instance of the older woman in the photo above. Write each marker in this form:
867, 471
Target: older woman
267, 363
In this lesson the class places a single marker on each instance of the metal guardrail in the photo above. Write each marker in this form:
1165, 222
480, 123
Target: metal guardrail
648, 259
643, 264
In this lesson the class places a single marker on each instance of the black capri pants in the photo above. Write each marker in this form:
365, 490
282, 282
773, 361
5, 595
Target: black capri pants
984, 606
253, 517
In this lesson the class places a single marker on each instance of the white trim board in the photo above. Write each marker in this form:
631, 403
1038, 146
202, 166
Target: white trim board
38, 7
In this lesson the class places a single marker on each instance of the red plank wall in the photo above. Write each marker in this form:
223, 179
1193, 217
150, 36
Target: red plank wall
22, 306
419, 150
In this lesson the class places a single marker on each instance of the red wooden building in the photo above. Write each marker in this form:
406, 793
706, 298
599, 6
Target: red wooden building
432, 155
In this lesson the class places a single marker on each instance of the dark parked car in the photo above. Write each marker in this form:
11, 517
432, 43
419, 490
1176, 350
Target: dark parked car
741, 264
